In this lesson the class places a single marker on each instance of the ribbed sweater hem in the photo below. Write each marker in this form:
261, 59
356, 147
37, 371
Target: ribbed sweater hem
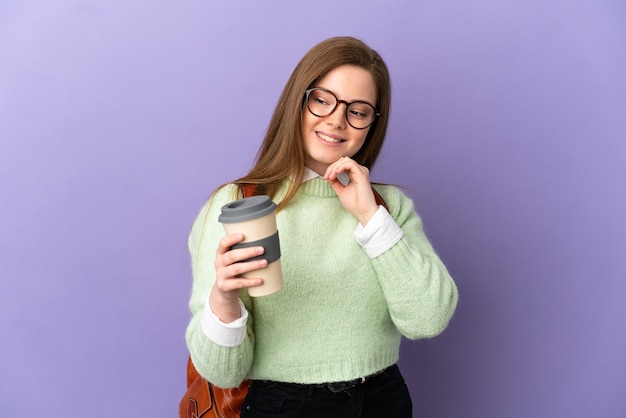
328, 372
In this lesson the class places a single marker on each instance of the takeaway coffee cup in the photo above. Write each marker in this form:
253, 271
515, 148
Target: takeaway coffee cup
255, 218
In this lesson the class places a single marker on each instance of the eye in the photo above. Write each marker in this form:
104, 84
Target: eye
357, 114
360, 111
320, 101
321, 98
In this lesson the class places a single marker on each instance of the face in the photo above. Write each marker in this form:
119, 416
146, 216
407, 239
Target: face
328, 138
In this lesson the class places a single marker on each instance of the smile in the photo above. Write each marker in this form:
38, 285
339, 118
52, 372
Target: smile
327, 138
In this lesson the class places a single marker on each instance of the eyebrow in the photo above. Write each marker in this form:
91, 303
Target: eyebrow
349, 101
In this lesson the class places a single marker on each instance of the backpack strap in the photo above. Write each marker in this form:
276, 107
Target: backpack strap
379, 199
248, 189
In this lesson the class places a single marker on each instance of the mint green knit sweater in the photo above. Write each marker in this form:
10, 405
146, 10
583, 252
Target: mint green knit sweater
340, 314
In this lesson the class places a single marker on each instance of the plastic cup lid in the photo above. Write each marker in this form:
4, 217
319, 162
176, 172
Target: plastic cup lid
246, 209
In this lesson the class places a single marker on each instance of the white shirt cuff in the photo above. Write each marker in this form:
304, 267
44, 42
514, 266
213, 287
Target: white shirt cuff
225, 335
380, 234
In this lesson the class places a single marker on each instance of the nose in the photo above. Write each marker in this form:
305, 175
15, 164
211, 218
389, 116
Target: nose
337, 117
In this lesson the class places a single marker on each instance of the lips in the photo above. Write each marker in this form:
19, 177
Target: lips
330, 139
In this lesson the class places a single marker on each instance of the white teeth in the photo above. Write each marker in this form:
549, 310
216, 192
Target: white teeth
328, 139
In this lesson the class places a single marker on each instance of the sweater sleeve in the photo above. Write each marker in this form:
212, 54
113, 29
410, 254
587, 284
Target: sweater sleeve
223, 366
420, 293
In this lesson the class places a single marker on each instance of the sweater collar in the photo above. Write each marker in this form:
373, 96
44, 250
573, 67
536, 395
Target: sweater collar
315, 185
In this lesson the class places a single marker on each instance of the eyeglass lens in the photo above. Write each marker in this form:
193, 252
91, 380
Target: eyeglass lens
321, 103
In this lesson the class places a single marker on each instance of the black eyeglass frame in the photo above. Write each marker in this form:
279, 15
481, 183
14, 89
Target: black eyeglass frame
307, 93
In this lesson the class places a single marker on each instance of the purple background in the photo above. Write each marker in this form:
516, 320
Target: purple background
118, 118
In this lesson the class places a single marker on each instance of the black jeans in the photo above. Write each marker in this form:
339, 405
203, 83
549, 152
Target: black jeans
382, 396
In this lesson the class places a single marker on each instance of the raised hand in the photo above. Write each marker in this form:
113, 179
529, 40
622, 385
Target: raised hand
357, 196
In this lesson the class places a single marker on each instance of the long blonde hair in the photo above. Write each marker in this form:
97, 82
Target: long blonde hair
282, 152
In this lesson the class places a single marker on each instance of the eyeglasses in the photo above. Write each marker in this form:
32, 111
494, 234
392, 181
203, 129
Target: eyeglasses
322, 102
